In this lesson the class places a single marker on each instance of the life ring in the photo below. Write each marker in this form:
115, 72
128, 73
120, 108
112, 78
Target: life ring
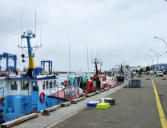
42, 97
2, 101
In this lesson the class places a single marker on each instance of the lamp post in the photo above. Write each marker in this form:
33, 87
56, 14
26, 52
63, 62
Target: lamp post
164, 41
156, 54
150, 58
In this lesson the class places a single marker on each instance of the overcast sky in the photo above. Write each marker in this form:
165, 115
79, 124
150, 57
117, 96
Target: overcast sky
114, 30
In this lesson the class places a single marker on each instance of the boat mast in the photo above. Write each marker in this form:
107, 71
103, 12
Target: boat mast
69, 64
28, 36
87, 60
96, 62
31, 66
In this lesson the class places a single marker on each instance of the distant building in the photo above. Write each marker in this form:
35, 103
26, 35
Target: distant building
159, 67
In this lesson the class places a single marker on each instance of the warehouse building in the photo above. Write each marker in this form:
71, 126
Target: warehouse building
159, 67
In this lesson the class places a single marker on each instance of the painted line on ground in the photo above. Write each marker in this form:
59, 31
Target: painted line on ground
159, 107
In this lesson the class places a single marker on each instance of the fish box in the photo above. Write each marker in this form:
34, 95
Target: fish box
111, 101
103, 106
135, 83
92, 103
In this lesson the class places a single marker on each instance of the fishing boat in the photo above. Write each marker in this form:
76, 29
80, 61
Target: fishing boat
120, 74
71, 89
96, 82
30, 92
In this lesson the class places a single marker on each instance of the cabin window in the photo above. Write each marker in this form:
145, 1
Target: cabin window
54, 83
24, 85
13, 85
50, 84
44, 85
47, 84
35, 85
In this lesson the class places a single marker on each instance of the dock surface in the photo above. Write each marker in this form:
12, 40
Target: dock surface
135, 108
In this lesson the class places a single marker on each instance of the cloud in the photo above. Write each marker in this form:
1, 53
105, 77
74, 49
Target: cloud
115, 30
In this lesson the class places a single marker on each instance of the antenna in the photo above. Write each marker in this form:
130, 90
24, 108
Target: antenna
69, 60
31, 35
87, 60
35, 22
101, 63
21, 22
40, 38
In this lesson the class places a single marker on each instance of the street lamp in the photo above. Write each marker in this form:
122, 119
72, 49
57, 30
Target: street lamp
161, 39
151, 58
156, 54
164, 41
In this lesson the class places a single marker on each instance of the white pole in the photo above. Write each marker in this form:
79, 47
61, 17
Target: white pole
35, 23
69, 62
87, 60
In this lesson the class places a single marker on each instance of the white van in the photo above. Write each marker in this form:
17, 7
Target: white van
159, 73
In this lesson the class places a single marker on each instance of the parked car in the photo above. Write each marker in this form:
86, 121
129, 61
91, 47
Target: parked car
151, 72
159, 73
165, 72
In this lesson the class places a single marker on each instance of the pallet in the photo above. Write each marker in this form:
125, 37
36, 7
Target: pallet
68, 103
84, 94
54, 108
102, 90
106, 88
97, 92
74, 101
90, 94
19, 120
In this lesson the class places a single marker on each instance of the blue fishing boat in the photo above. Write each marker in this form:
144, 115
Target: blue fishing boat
31, 92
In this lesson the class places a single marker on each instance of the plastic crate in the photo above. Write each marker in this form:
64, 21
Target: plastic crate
103, 106
135, 83
111, 101
92, 103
